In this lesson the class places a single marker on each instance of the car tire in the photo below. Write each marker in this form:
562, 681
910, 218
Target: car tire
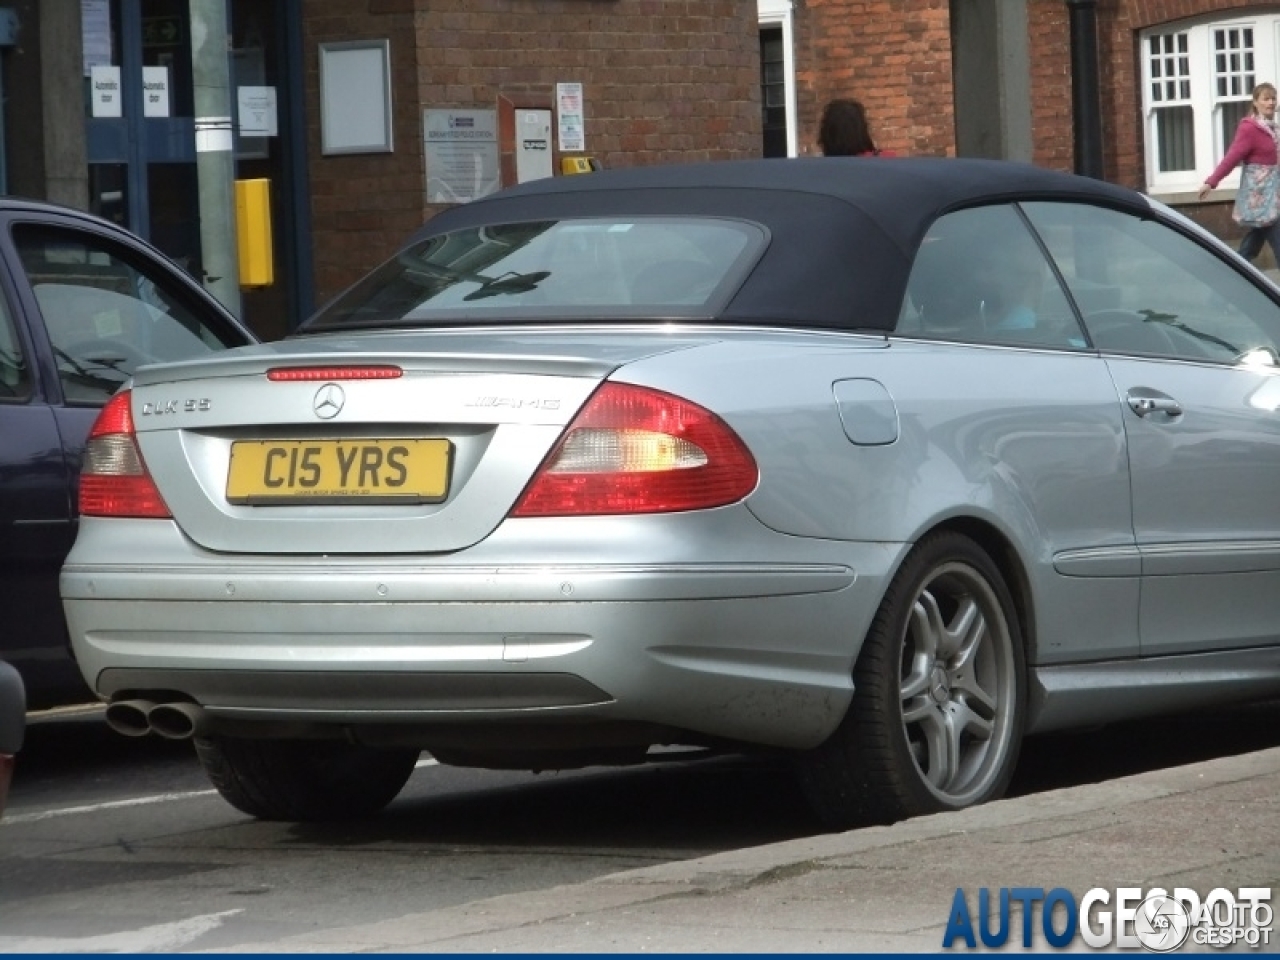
939, 701
304, 780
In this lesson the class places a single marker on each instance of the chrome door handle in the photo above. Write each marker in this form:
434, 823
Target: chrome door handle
1145, 404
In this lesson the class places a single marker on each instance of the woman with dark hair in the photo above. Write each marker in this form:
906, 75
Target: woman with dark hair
844, 131
1254, 150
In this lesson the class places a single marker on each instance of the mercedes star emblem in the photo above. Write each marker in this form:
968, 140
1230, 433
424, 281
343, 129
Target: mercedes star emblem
328, 402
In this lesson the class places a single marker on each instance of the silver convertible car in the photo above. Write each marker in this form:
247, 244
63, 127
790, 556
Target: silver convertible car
883, 464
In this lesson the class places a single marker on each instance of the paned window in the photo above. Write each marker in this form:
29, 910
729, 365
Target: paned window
1233, 77
777, 78
1197, 85
773, 92
1172, 112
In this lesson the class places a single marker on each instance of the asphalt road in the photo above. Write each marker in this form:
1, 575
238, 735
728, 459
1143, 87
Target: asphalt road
116, 844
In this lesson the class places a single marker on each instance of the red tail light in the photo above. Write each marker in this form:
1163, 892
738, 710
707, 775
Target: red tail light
636, 450
114, 481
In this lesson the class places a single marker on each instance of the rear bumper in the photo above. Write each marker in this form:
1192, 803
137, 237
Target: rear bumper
773, 669
756, 652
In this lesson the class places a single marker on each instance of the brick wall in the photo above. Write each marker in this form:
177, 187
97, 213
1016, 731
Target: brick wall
678, 80
663, 81
1049, 26
362, 205
1053, 143
893, 55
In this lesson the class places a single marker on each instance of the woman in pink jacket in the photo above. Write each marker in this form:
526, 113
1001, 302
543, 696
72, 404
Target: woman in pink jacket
1255, 142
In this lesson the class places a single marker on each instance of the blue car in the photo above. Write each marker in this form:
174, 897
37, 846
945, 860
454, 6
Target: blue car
13, 719
83, 303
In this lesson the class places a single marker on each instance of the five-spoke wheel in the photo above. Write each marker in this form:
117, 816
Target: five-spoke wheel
939, 695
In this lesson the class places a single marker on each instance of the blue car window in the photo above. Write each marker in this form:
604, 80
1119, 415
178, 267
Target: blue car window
1145, 289
15, 376
105, 316
539, 270
980, 276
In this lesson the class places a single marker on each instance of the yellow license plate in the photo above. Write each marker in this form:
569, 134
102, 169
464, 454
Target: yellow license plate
339, 471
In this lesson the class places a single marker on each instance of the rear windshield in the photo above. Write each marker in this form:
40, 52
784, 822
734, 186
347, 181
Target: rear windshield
552, 269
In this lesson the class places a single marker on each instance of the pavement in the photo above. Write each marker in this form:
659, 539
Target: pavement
891, 889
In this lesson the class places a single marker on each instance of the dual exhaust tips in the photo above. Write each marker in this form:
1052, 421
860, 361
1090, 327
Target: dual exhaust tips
173, 721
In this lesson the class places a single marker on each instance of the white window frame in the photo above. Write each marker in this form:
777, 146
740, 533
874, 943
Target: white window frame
1208, 137
772, 13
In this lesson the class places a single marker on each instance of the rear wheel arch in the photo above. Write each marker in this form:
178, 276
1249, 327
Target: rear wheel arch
1008, 561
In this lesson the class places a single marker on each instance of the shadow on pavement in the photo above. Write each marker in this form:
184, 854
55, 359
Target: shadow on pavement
683, 807
1105, 753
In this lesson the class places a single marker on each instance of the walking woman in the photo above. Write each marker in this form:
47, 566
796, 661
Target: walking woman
1254, 150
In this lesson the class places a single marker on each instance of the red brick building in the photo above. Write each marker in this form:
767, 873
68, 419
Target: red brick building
335, 104
346, 97
995, 78
661, 80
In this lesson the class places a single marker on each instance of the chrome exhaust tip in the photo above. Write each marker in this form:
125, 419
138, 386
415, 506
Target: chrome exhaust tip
129, 717
177, 721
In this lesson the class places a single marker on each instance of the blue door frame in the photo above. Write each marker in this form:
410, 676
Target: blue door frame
135, 141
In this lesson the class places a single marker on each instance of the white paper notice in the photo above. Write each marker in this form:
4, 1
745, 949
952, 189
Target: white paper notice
155, 91
257, 111
572, 134
95, 31
105, 101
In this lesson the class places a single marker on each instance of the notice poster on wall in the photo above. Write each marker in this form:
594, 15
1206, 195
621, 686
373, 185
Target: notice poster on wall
95, 33
256, 108
461, 151
569, 118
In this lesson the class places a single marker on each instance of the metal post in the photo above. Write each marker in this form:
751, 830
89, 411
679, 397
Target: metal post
215, 162
137, 202
1086, 111
295, 203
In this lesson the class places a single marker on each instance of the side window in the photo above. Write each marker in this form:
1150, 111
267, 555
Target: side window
979, 276
1145, 289
105, 315
15, 375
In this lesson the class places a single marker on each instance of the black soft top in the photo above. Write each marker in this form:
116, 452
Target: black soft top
843, 230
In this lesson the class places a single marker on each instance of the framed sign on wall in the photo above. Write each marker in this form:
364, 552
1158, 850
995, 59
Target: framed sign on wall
355, 97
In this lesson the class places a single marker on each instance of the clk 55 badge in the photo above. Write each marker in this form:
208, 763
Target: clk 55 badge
159, 408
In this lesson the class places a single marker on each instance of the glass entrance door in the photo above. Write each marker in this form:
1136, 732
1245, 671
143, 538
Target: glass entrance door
140, 122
